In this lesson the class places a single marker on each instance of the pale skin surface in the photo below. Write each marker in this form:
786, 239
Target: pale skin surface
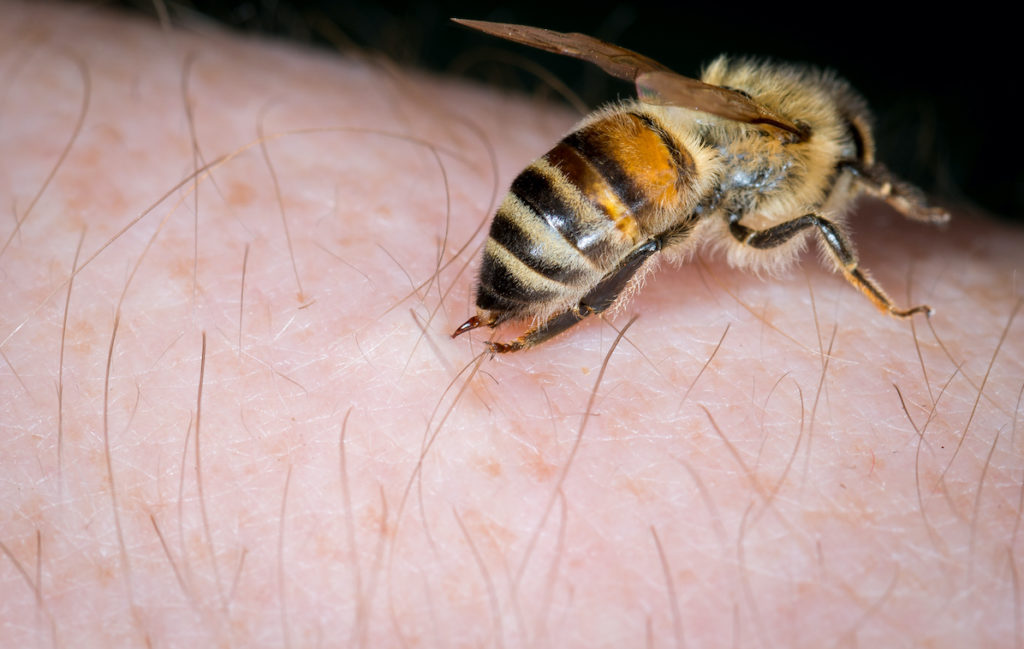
781, 496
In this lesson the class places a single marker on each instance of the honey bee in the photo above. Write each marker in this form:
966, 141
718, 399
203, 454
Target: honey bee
753, 157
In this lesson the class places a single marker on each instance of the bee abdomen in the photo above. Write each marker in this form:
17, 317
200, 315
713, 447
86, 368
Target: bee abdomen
578, 224
526, 261
627, 166
571, 216
536, 250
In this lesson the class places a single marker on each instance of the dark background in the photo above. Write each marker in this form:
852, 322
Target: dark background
943, 82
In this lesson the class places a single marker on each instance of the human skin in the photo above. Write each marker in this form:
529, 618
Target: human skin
234, 414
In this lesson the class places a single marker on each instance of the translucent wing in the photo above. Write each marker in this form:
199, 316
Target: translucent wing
655, 83
616, 61
666, 88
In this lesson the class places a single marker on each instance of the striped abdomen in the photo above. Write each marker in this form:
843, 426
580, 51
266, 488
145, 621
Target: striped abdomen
572, 215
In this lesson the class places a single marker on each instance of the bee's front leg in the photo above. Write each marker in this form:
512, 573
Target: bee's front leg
836, 243
598, 300
908, 200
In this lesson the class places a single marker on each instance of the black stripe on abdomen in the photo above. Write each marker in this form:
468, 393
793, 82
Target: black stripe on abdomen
537, 255
501, 289
536, 192
599, 153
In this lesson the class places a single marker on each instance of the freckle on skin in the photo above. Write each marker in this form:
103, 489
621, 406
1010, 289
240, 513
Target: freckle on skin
240, 194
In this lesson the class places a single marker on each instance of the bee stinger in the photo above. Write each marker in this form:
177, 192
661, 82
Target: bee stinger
752, 157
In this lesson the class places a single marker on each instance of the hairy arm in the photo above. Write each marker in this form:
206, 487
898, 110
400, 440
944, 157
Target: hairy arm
234, 413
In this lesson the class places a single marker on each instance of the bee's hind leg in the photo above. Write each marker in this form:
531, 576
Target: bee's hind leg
598, 300
550, 328
838, 246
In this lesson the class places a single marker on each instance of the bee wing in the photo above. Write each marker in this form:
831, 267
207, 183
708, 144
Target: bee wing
655, 83
616, 61
666, 88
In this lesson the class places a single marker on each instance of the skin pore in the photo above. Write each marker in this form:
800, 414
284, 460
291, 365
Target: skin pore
234, 415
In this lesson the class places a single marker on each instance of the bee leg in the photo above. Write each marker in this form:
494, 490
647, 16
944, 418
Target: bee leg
838, 246
908, 200
598, 300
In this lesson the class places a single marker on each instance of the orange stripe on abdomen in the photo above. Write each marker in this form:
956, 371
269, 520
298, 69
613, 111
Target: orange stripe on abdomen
623, 167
